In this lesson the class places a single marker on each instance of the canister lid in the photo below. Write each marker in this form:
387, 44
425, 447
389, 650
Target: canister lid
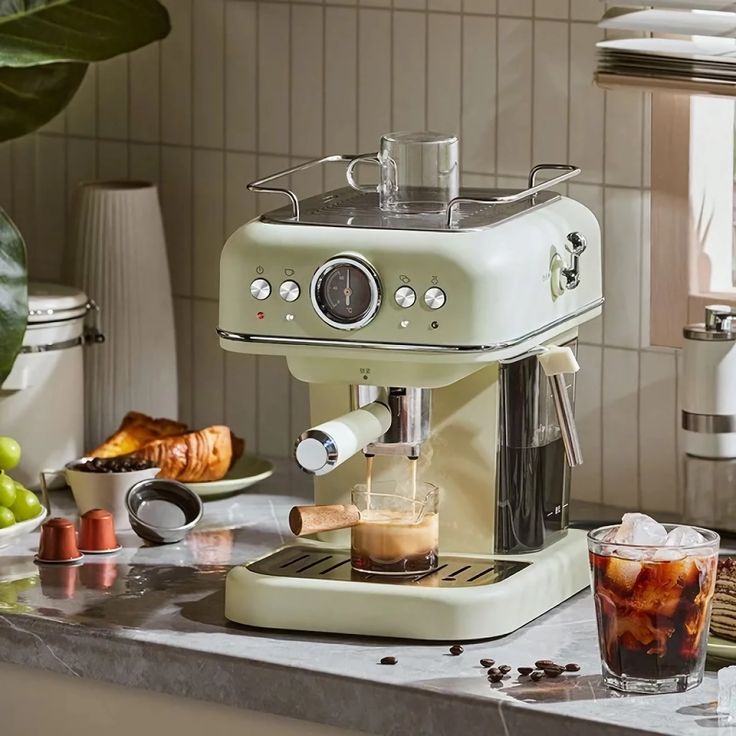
54, 303
720, 324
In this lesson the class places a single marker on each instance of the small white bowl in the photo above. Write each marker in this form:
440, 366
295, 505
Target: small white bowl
104, 490
11, 534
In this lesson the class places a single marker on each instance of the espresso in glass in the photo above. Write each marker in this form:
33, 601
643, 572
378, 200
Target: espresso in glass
398, 533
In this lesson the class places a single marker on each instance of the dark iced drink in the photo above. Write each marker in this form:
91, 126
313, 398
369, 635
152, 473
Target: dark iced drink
653, 608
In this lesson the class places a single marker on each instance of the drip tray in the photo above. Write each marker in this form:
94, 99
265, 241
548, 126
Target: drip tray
330, 564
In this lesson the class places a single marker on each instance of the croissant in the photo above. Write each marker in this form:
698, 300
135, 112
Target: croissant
194, 457
135, 431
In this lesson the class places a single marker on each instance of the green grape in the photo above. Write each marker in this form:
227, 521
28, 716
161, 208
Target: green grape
26, 506
7, 518
7, 490
9, 453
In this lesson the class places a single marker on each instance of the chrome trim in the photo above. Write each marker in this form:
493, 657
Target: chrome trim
708, 423
408, 347
327, 442
373, 280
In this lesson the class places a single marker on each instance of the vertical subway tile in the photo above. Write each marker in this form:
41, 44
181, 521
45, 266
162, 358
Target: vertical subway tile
658, 431
112, 160
273, 406
208, 226
586, 103
409, 79
478, 141
341, 93
145, 94
208, 78
645, 255
307, 44
273, 78
81, 115
309, 182
23, 156
240, 168
586, 9
620, 428
112, 98
183, 326
145, 162
241, 397
176, 75
269, 165
299, 418
374, 77
624, 144
515, 7
551, 8
444, 82
81, 156
176, 205
410, 4
450, 6
208, 364
483, 7
622, 263
514, 95
240, 75
586, 479
551, 91
45, 257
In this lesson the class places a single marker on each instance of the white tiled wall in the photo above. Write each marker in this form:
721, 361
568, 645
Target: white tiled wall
243, 87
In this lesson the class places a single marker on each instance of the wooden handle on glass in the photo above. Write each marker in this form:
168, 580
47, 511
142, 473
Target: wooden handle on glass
312, 519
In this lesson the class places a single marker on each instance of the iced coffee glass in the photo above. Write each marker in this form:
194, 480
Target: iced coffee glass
653, 605
398, 532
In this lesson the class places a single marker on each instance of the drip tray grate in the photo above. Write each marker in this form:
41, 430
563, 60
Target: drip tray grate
329, 564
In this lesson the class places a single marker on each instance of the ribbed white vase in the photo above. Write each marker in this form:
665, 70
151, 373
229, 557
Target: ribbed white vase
118, 257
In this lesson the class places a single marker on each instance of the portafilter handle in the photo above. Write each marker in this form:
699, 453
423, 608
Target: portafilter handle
556, 362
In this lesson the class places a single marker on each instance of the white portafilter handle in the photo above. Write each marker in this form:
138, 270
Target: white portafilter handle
556, 362
322, 448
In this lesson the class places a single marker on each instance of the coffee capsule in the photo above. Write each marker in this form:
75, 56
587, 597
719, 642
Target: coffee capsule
97, 532
58, 543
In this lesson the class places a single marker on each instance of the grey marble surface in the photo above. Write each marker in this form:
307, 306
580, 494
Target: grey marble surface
152, 617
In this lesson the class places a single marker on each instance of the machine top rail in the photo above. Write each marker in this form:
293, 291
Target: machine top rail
474, 209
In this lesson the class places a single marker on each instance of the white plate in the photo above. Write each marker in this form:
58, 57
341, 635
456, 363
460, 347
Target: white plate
716, 50
247, 471
722, 648
11, 534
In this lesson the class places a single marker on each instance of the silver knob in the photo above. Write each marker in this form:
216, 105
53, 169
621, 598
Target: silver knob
435, 298
260, 289
575, 246
289, 291
405, 297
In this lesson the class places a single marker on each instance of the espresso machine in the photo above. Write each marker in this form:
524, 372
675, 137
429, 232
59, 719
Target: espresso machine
448, 337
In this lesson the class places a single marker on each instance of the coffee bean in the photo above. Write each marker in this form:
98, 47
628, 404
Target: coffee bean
525, 670
552, 672
494, 671
505, 668
572, 667
456, 649
487, 662
495, 678
389, 660
537, 675
542, 663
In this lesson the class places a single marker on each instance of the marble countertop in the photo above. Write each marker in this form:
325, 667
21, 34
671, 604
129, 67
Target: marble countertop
152, 617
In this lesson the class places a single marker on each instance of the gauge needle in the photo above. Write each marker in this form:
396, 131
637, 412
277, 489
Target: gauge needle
348, 291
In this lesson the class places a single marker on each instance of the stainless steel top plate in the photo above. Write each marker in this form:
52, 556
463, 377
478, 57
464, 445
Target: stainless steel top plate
329, 564
348, 208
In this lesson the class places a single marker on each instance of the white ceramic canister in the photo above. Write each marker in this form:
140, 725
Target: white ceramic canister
42, 400
708, 396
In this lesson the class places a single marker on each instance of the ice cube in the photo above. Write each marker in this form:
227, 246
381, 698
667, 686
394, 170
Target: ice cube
622, 573
640, 529
664, 554
684, 536
727, 692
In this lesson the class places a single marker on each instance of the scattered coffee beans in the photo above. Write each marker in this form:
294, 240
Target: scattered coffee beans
537, 675
487, 662
389, 660
542, 663
505, 668
456, 649
572, 667
495, 678
495, 671
552, 672
525, 670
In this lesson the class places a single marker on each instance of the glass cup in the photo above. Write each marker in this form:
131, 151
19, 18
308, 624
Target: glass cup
398, 532
419, 172
653, 607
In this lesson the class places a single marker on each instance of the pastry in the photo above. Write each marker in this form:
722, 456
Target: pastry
723, 617
194, 457
136, 431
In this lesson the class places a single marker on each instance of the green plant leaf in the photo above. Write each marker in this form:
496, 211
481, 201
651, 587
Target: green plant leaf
47, 31
31, 96
13, 293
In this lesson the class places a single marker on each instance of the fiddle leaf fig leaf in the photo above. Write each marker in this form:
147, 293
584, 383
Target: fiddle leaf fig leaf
13, 293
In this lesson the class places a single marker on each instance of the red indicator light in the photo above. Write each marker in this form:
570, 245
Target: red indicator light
260, 315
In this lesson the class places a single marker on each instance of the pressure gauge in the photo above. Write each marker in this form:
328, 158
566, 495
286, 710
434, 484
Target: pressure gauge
346, 292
